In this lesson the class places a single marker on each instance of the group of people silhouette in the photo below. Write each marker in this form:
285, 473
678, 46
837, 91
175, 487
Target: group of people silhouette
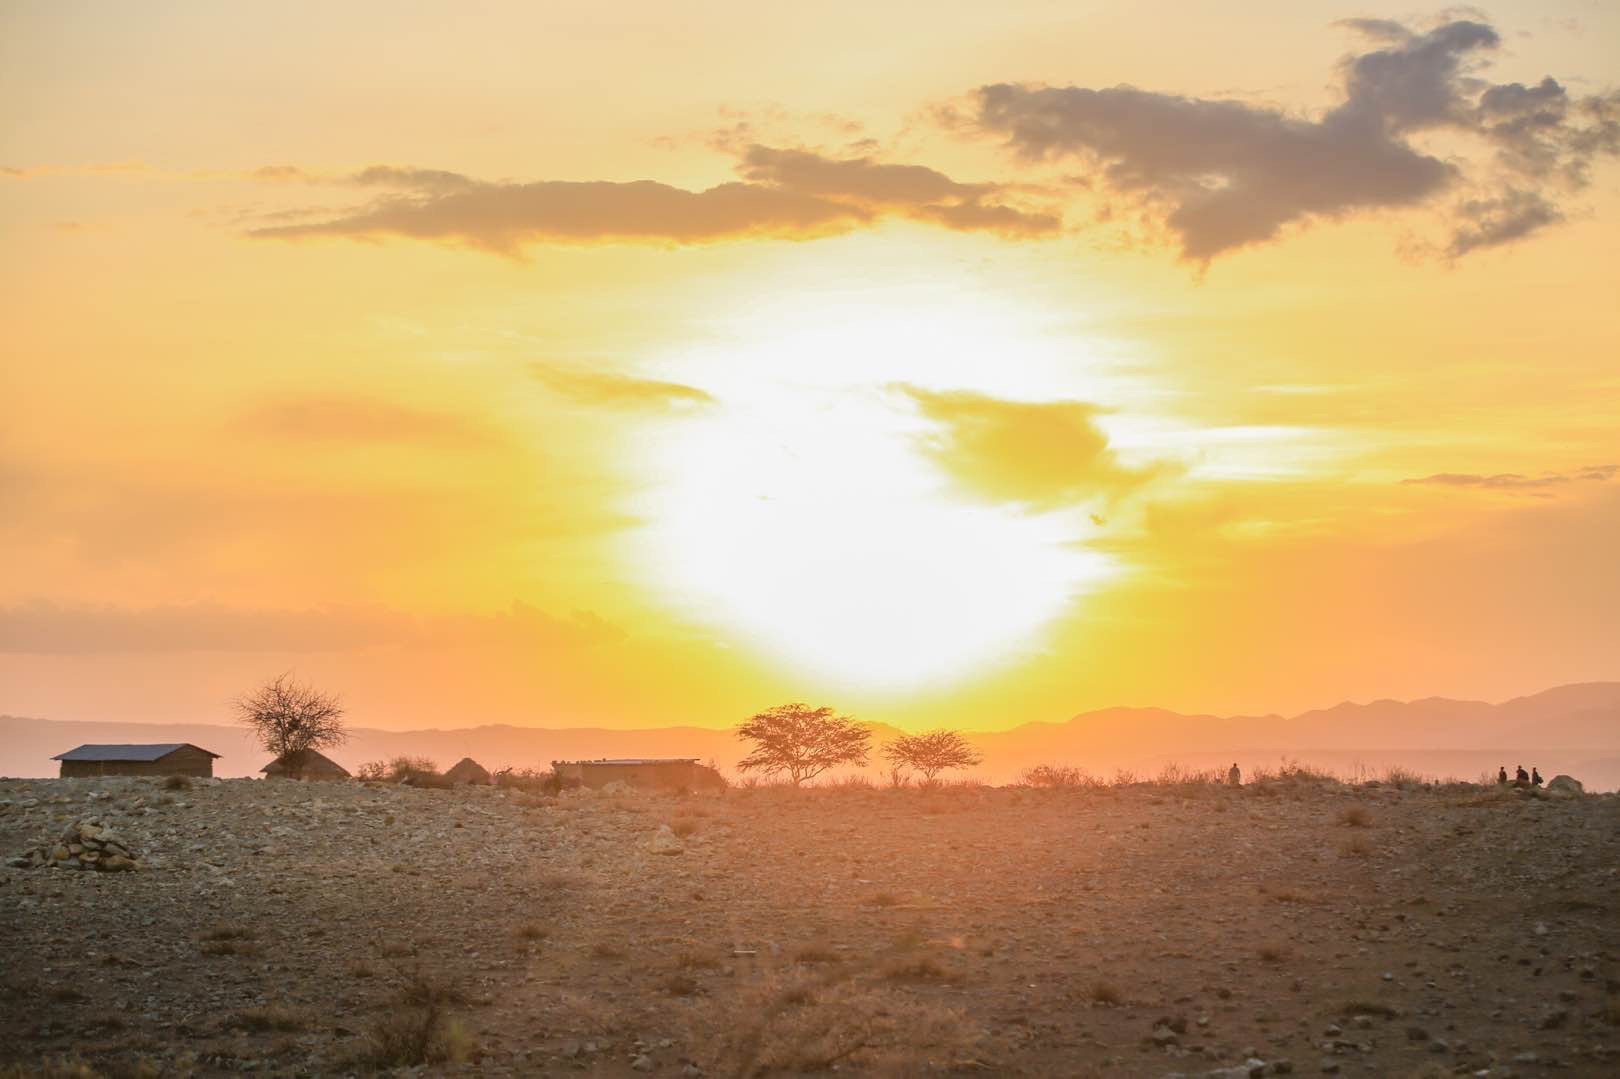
1532, 778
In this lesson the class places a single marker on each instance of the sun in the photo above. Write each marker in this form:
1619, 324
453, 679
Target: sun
801, 517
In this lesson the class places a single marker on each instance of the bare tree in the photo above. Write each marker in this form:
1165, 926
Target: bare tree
802, 741
288, 716
931, 753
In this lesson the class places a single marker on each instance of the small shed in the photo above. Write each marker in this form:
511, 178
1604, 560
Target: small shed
160, 759
672, 773
467, 770
304, 764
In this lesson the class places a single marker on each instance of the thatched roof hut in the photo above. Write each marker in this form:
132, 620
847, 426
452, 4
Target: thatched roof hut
304, 764
468, 770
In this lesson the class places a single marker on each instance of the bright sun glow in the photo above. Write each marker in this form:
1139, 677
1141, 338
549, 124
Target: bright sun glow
802, 516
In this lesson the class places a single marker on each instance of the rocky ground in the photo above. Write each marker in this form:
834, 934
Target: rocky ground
1286, 927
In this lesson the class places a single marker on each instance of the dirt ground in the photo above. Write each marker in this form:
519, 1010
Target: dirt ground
1286, 927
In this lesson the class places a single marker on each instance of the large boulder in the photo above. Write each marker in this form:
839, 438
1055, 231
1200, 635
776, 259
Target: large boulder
1565, 786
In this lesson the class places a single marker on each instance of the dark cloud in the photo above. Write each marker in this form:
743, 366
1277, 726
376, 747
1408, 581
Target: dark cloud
1225, 174
617, 391
1040, 453
788, 194
1502, 219
1513, 481
362, 419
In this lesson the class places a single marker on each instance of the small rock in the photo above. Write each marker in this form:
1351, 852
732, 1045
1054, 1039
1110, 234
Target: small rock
642, 1063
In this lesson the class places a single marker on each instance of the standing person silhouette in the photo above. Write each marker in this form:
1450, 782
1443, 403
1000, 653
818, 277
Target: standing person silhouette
1501, 774
1535, 777
1234, 778
1521, 778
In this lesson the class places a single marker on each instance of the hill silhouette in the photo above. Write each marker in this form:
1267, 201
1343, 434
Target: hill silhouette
1573, 729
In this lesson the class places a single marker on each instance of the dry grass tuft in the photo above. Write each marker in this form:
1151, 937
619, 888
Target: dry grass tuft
919, 968
884, 899
531, 931
272, 1017
815, 953
1273, 953
417, 1028
1107, 994
607, 949
1355, 847
230, 940
177, 783
698, 958
680, 985
683, 826
1355, 817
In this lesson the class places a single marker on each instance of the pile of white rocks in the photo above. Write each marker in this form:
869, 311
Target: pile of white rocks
86, 844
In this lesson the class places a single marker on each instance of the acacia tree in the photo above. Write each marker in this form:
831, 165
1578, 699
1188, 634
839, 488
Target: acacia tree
931, 753
802, 741
288, 716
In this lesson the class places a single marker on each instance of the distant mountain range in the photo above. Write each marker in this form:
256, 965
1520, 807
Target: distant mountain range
1573, 729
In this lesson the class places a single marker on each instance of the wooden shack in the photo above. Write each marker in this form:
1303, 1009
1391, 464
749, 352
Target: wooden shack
304, 764
670, 773
161, 759
467, 770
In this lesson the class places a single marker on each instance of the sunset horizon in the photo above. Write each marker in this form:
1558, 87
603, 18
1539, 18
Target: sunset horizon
971, 389
741, 540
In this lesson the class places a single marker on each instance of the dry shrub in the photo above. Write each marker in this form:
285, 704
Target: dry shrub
1402, 778
856, 782
683, 826
531, 931
1273, 953
884, 899
1175, 775
417, 1028
919, 968
176, 783
1355, 817
1056, 777
1106, 993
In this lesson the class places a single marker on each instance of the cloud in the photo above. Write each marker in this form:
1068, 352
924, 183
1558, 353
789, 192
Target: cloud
41, 628
913, 191
1492, 222
784, 194
1222, 175
1042, 454
1513, 481
361, 419
617, 391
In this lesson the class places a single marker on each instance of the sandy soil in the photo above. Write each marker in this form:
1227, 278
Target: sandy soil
1302, 927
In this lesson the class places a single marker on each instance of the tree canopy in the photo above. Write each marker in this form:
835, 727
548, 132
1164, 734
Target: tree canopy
802, 741
287, 716
931, 753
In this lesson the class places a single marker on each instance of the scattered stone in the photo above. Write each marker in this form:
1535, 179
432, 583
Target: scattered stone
665, 841
86, 844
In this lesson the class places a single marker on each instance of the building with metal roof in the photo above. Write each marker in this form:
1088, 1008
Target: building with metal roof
153, 759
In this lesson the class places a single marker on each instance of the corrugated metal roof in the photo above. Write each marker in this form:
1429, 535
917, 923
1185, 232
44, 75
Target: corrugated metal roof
637, 760
127, 752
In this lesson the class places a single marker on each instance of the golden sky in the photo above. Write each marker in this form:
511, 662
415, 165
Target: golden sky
526, 363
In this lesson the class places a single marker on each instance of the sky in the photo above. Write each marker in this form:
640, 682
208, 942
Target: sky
540, 364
